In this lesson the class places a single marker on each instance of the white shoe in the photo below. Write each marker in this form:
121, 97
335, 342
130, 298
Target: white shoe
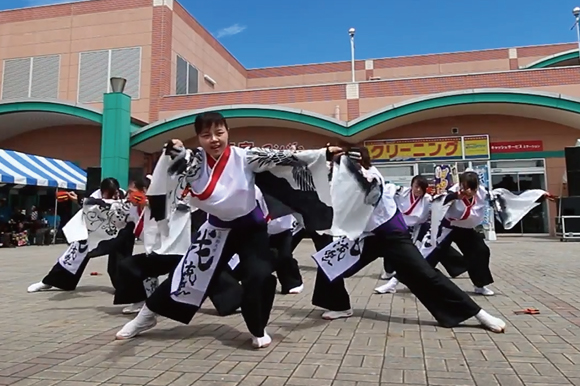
390, 287
483, 291
37, 287
144, 321
133, 308
332, 315
491, 323
262, 342
387, 276
296, 290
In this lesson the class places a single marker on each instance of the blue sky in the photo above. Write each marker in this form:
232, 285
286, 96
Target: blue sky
264, 33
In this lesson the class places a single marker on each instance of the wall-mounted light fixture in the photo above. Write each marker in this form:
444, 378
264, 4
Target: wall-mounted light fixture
209, 80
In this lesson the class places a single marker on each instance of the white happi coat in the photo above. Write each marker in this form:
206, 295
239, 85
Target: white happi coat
415, 211
344, 252
91, 228
225, 188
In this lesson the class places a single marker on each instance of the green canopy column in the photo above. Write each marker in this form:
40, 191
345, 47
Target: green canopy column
116, 133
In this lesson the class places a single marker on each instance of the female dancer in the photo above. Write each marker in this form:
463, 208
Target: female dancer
222, 183
389, 237
69, 268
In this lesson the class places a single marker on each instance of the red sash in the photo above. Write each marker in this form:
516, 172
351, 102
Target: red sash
139, 227
467, 211
414, 203
217, 168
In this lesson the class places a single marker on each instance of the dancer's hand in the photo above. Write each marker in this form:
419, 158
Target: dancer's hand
549, 196
73, 196
177, 143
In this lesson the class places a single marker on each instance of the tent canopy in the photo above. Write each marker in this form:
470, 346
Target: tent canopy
26, 169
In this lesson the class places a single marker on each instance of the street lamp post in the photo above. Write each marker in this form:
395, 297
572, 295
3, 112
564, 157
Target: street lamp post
576, 13
351, 33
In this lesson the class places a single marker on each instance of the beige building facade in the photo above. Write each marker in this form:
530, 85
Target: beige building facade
519, 106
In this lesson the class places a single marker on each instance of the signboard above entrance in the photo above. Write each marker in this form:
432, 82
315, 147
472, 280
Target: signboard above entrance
469, 147
516, 146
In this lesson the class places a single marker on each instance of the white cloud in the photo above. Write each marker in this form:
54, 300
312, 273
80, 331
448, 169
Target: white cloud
36, 3
230, 31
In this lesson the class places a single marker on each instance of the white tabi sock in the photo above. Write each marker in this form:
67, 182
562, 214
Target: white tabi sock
491, 322
145, 320
261, 342
389, 287
296, 290
40, 286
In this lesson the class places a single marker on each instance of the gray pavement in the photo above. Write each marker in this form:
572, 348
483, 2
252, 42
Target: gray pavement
67, 339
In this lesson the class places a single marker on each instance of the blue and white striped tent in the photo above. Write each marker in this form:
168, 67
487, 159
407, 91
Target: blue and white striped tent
26, 169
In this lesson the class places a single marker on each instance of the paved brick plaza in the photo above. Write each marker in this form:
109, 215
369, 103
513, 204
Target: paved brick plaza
57, 338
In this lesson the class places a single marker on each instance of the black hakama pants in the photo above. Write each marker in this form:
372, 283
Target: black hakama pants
453, 261
448, 304
226, 295
287, 269
476, 254
117, 249
258, 282
134, 270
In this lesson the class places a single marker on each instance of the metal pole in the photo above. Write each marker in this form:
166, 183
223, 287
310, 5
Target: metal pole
578, 34
55, 214
352, 56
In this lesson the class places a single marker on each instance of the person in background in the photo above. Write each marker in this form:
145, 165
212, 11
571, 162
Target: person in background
5, 211
52, 220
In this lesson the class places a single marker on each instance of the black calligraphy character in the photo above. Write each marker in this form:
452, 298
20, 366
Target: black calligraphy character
329, 255
342, 248
200, 249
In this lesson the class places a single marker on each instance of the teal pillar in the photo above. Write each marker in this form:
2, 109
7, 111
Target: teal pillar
115, 137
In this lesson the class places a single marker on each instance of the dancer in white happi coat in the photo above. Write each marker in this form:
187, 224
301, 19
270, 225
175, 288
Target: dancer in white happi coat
456, 214
107, 224
222, 184
415, 204
164, 249
358, 191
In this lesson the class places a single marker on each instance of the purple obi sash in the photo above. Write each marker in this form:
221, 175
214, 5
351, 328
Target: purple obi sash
396, 224
255, 217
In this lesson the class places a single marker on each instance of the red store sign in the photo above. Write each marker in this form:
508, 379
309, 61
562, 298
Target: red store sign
516, 146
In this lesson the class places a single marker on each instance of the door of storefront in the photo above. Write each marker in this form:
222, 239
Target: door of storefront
517, 176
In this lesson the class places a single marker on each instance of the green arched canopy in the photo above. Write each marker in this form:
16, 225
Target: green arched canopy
348, 129
552, 60
58, 107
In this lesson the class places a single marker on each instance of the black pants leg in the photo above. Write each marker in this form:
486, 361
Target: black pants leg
59, 277
122, 249
332, 295
133, 270
256, 263
227, 292
287, 268
448, 304
476, 252
454, 262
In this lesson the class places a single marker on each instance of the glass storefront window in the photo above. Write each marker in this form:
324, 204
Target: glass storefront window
397, 171
517, 164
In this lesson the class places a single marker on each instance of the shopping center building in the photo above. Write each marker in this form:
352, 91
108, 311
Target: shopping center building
514, 109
